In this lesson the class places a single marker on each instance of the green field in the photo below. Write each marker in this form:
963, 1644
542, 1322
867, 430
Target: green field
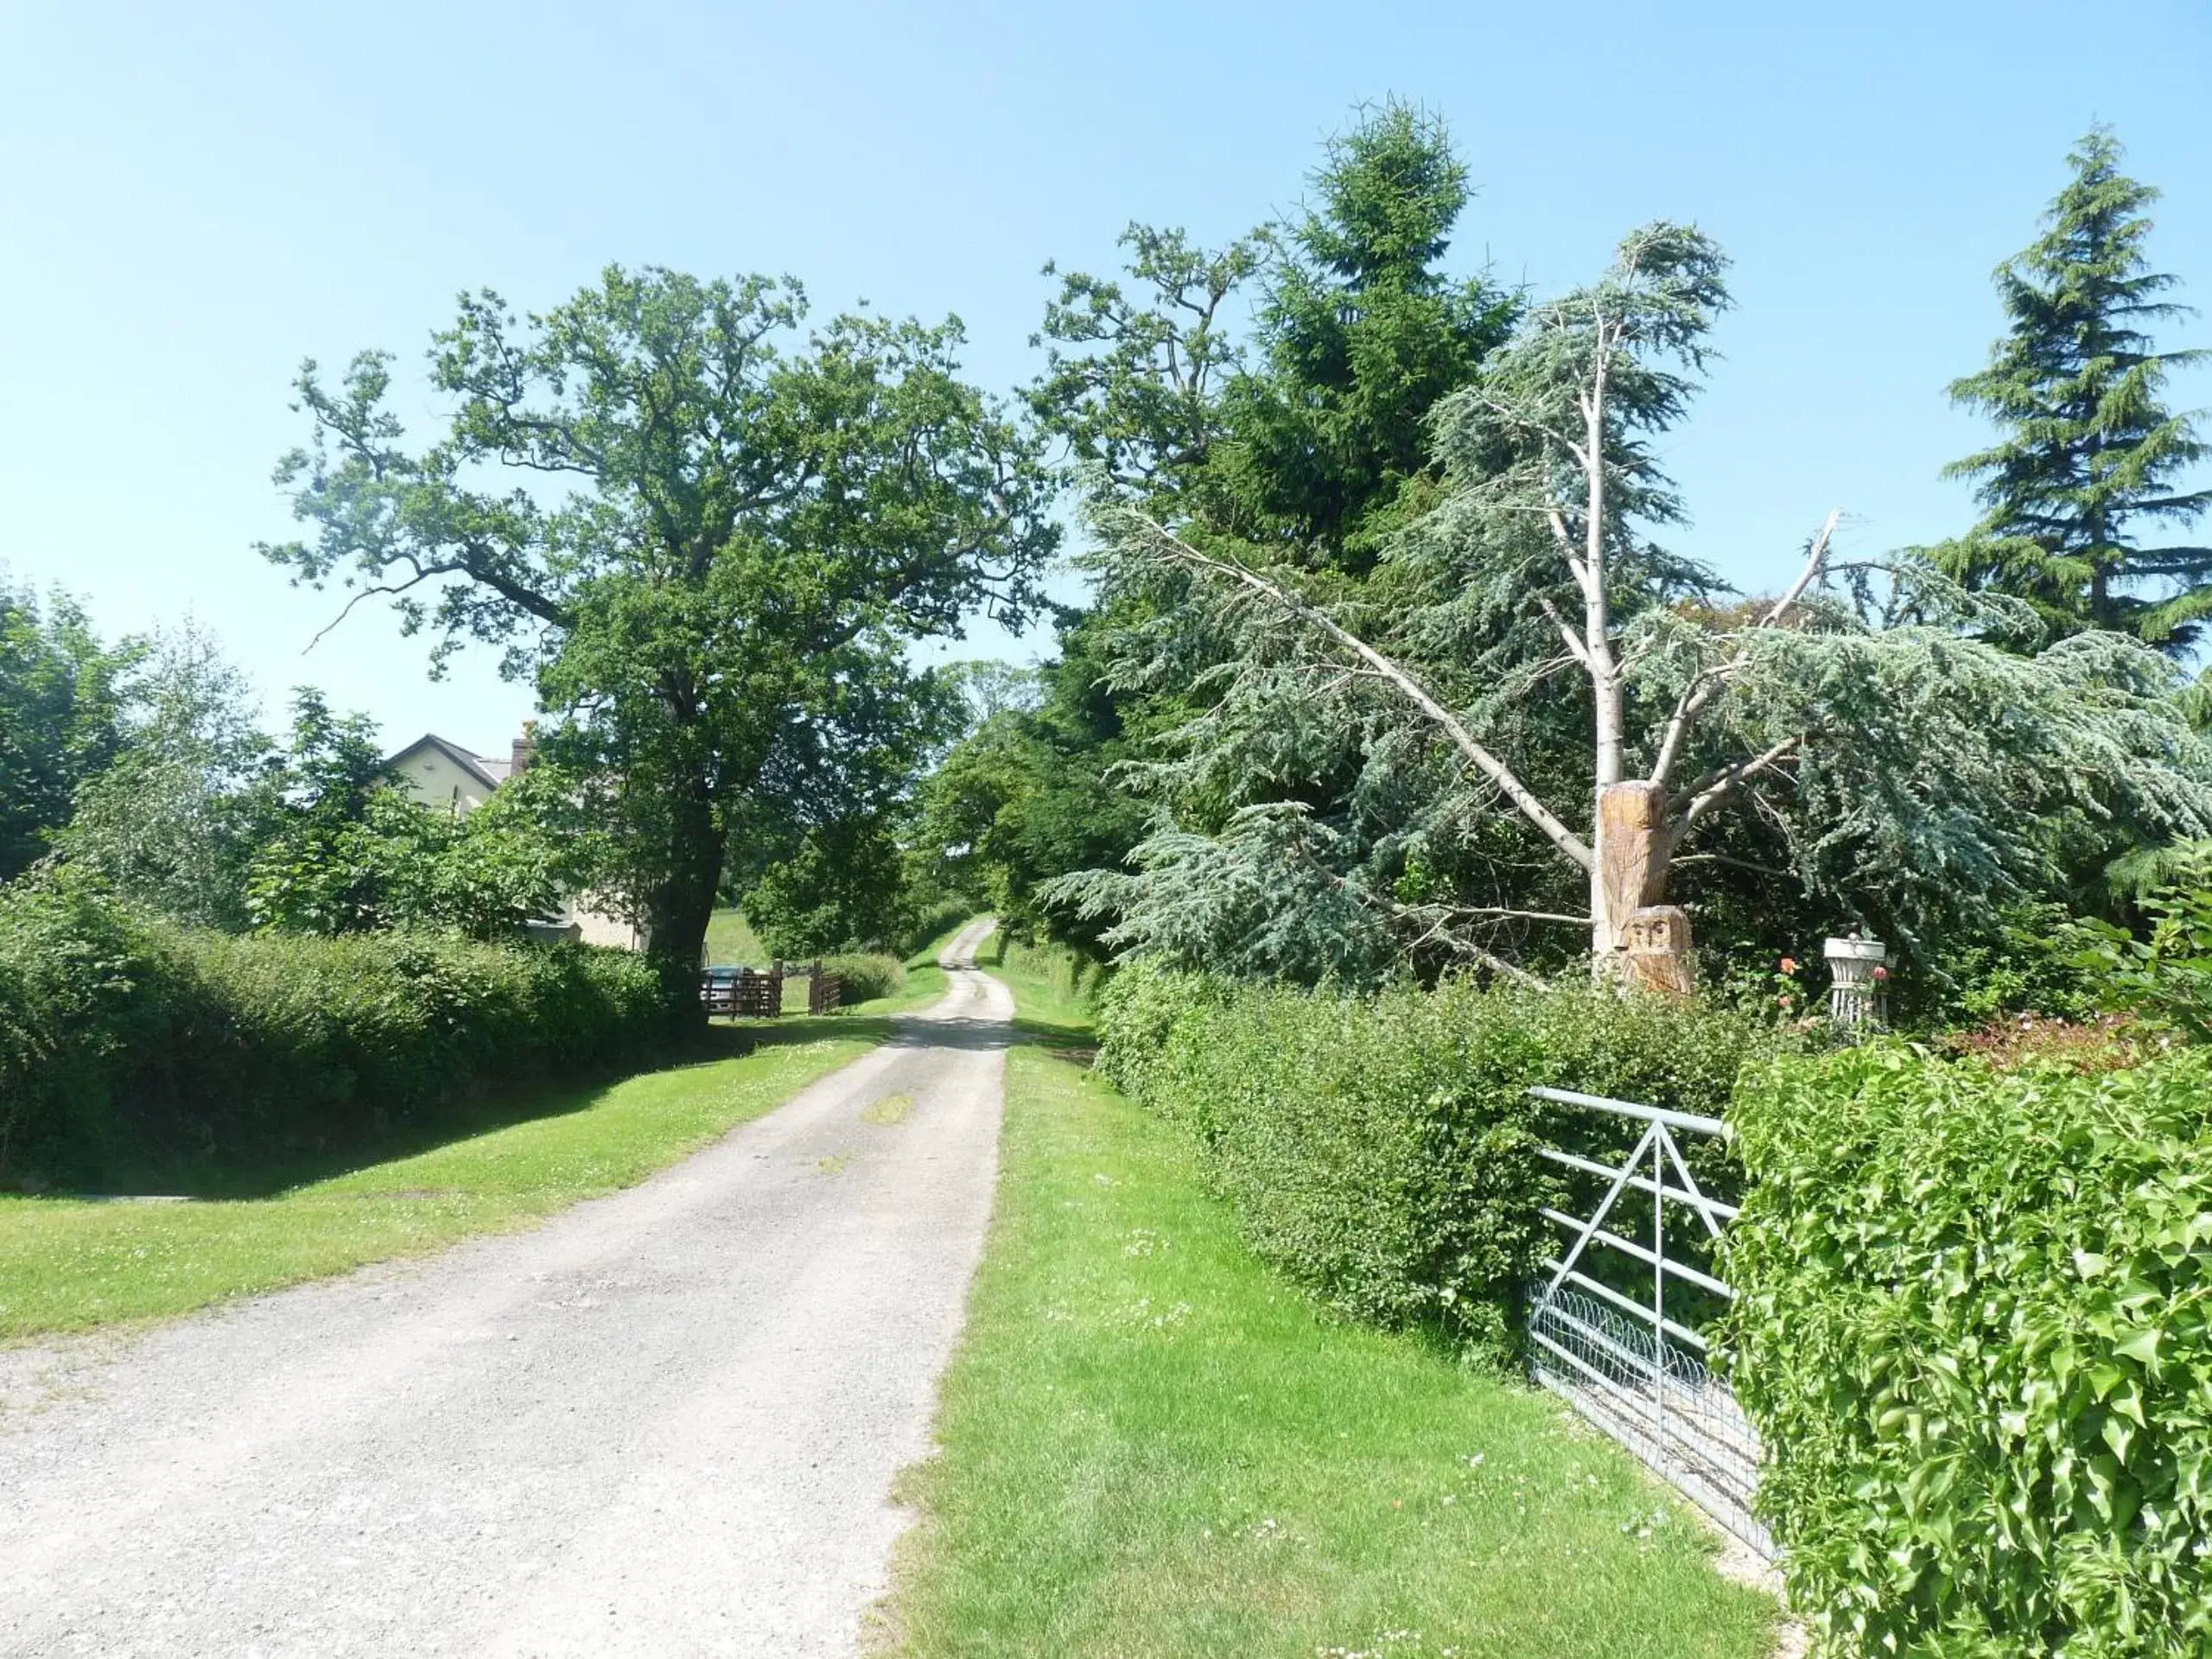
731, 943
1154, 1449
68, 1264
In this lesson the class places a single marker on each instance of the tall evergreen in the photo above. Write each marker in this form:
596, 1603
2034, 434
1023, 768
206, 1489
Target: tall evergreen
2090, 455
1360, 334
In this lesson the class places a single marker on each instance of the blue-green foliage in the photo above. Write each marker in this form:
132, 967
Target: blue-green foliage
1972, 1330
125, 1040
1380, 1149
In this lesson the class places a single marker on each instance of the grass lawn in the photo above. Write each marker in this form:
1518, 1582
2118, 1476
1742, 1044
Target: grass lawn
1152, 1449
730, 941
67, 1264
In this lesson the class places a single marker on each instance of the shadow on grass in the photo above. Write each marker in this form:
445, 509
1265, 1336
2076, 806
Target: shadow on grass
269, 1171
1077, 1044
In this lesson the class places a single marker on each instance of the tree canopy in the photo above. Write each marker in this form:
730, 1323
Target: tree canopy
1304, 426
708, 536
1384, 749
174, 821
62, 694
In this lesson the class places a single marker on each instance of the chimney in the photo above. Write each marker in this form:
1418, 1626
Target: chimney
524, 750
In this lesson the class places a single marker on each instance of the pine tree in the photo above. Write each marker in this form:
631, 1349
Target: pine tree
1360, 335
2089, 452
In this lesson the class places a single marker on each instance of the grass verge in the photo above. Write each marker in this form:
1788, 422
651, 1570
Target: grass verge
69, 1265
1154, 1449
924, 983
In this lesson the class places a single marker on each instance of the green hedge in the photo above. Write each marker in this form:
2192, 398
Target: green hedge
1380, 1149
1972, 1330
126, 1041
868, 975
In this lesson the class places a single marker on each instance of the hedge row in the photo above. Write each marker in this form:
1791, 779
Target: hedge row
867, 975
1380, 1149
1974, 1328
126, 1041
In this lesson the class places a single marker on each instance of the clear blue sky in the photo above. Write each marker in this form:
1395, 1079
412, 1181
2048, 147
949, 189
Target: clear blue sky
194, 198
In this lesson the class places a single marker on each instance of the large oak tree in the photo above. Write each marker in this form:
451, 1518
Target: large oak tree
707, 534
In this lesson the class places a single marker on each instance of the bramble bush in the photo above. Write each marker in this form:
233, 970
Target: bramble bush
1973, 1329
125, 1040
1381, 1149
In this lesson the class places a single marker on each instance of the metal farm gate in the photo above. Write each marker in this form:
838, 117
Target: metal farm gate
1612, 1340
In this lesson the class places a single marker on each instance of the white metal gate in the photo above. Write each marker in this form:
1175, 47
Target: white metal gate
1614, 1351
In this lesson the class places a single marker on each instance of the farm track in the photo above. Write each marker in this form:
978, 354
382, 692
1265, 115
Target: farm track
665, 1422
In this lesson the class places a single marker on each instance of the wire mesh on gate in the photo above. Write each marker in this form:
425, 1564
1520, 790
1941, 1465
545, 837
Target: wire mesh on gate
1620, 1355
1669, 1409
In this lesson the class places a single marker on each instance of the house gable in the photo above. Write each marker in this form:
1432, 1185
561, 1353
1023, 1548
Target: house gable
444, 775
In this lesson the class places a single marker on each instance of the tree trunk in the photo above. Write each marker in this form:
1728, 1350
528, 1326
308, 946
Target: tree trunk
680, 906
1658, 957
1629, 871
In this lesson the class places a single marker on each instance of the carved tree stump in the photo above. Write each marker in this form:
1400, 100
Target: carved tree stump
1659, 950
1629, 816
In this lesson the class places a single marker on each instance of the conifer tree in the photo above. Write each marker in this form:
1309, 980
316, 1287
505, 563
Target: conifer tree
1361, 333
2090, 455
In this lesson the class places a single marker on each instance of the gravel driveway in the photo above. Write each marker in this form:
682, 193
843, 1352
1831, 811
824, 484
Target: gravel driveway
665, 1422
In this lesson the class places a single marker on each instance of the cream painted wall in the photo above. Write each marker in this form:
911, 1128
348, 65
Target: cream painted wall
434, 780
598, 927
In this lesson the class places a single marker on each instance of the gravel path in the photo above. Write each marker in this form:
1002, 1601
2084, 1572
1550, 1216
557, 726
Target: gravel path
664, 1423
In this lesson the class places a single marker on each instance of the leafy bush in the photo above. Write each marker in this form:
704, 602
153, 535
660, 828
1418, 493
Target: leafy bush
867, 975
940, 915
2026, 959
2166, 978
1972, 1330
125, 1039
84, 987
1381, 1149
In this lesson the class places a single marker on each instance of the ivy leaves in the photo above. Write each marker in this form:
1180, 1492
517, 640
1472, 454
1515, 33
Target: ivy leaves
1975, 1331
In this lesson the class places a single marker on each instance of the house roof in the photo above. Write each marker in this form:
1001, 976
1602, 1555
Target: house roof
492, 773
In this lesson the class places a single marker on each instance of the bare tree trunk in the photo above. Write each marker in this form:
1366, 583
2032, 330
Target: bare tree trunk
1631, 868
1625, 817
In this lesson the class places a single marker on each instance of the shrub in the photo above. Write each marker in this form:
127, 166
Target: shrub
128, 1040
867, 975
1381, 1149
939, 916
1972, 1330
2166, 979
84, 987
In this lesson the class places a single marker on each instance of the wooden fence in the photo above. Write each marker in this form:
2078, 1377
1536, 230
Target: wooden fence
758, 994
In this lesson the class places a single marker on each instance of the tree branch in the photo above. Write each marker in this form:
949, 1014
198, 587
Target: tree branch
1710, 791
387, 589
1574, 647
1731, 863
1489, 765
1705, 685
